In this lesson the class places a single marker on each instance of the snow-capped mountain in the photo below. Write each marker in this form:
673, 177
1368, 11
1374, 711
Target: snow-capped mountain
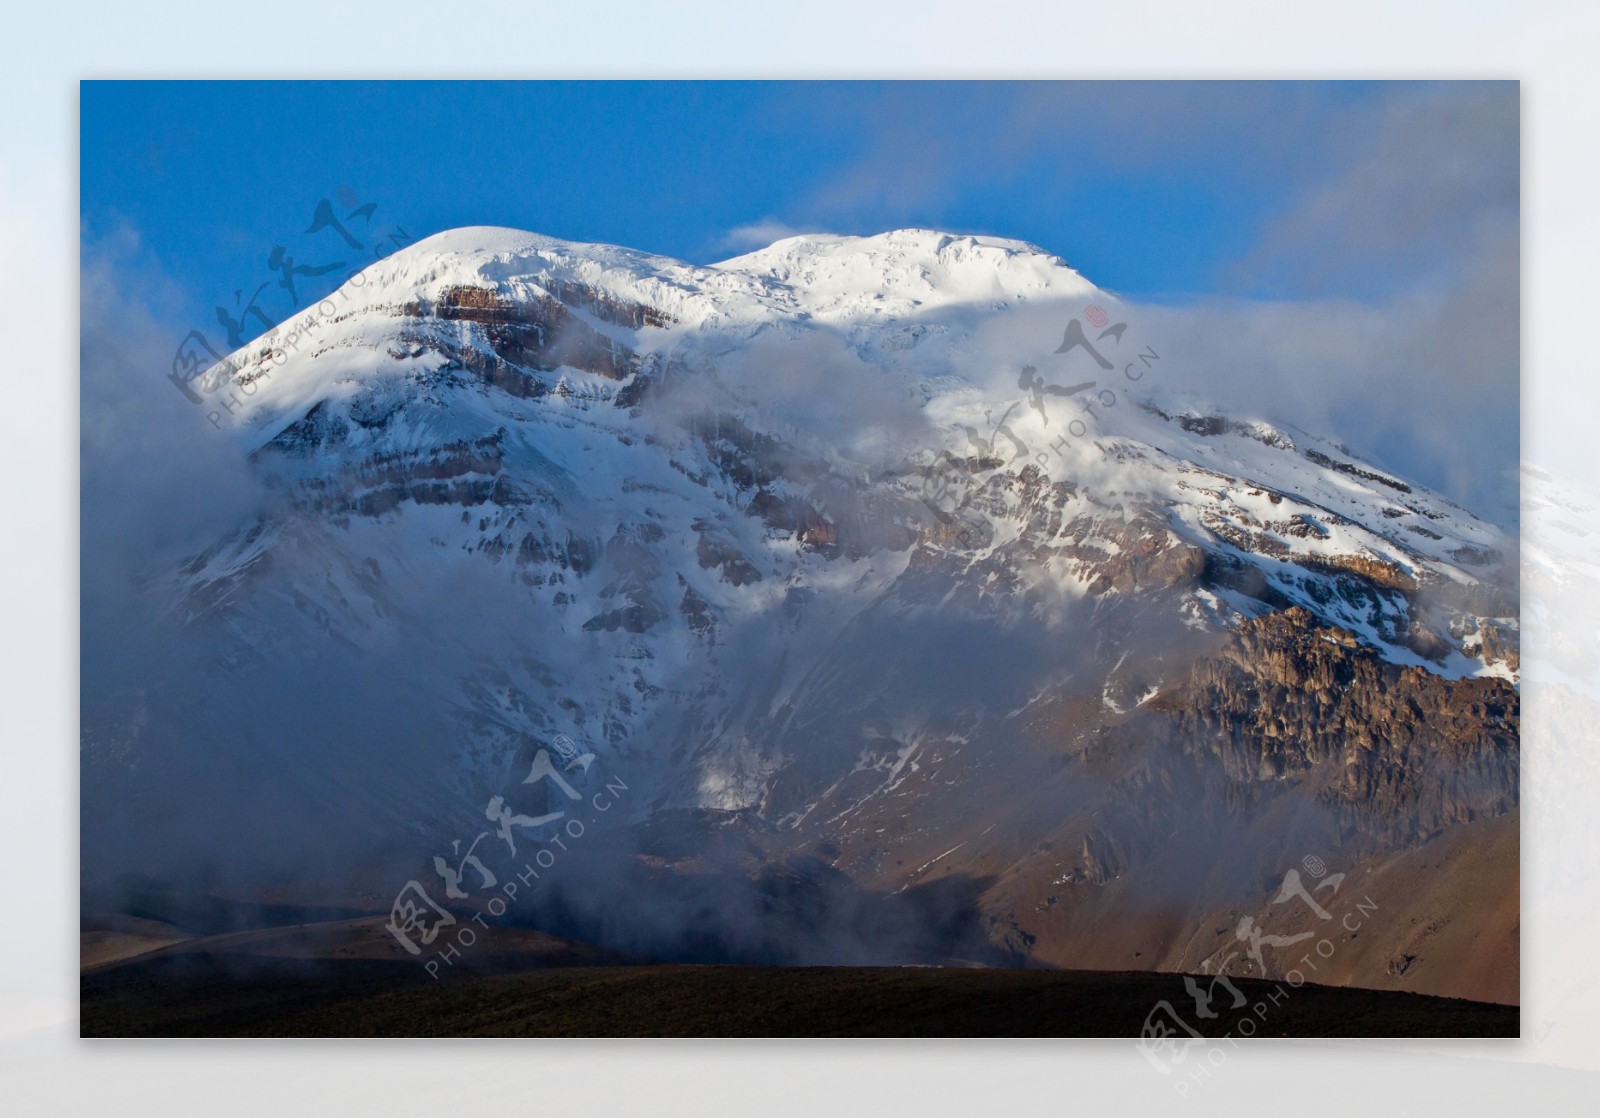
911, 554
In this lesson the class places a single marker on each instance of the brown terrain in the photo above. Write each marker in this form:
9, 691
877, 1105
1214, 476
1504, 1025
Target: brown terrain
1141, 840
1137, 844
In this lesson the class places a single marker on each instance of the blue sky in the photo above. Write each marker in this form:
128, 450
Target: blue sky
1385, 214
1149, 188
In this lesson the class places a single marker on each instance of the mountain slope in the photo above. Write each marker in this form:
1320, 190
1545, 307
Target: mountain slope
857, 545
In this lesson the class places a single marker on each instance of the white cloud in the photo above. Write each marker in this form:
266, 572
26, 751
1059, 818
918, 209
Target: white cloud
758, 234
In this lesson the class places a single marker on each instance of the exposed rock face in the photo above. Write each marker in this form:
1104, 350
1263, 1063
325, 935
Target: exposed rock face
1168, 811
1399, 753
529, 333
1357, 472
724, 555
465, 472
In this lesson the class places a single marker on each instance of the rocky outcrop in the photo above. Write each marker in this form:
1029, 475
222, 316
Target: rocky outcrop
1397, 753
464, 472
531, 333
1355, 471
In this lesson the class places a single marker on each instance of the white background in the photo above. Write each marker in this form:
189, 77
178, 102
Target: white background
45, 1069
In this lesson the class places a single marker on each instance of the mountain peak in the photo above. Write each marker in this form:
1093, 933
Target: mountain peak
927, 265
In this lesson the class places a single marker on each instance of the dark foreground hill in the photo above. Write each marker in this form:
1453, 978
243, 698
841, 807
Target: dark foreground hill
190, 994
